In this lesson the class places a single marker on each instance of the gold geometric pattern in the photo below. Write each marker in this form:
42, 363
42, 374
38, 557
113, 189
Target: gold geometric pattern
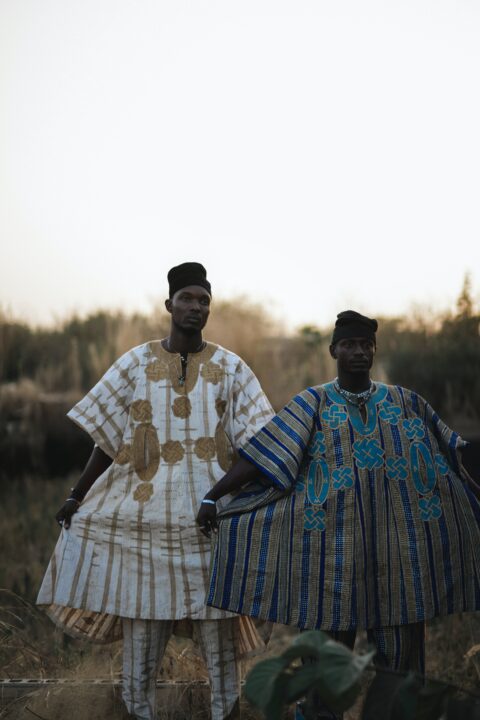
141, 410
172, 360
172, 451
212, 372
220, 406
124, 454
143, 492
157, 370
182, 407
146, 451
225, 452
205, 448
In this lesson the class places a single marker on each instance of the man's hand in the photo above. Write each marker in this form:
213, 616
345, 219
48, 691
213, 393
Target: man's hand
64, 515
207, 518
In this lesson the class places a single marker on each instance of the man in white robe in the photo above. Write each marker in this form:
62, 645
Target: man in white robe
167, 419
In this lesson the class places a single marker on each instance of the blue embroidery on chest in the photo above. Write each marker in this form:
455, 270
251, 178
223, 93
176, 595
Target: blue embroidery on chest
333, 416
315, 518
390, 413
352, 412
414, 428
342, 478
318, 481
420, 456
317, 447
430, 508
397, 468
368, 453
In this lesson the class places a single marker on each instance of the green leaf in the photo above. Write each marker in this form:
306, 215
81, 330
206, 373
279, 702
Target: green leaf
261, 683
340, 667
301, 681
275, 706
307, 645
334, 675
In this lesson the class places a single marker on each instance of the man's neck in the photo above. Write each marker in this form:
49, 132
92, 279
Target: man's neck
354, 382
180, 342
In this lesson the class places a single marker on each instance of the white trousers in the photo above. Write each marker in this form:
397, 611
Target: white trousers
144, 643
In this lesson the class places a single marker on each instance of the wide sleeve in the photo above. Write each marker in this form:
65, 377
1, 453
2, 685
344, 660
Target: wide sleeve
450, 443
250, 408
279, 447
103, 412
451, 446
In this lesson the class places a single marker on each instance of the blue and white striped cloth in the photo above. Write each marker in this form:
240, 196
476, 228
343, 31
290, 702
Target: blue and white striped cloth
368, 522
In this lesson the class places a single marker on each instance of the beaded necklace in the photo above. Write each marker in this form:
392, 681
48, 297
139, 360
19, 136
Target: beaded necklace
359, 399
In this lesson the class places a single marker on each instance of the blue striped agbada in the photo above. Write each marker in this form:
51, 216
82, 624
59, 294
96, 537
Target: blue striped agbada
367, 524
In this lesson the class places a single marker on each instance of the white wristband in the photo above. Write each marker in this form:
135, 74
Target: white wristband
206, 501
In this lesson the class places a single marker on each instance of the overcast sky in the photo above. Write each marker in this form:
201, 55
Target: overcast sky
313, 154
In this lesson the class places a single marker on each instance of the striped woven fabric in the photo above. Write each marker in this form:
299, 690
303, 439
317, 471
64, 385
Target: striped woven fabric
366, 524
133, 549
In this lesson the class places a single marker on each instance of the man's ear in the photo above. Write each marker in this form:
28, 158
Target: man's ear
332, 351
168, 305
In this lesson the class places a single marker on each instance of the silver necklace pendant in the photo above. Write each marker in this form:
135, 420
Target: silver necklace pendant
357, 399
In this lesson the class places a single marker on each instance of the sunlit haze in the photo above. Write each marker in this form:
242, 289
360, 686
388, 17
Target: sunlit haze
313, 155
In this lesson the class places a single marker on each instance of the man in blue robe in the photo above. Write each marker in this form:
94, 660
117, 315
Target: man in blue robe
364, 519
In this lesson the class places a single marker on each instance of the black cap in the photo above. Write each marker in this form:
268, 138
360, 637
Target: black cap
352, 324
188, 273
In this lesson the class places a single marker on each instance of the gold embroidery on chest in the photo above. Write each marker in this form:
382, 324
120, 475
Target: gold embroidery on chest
146, 451
172, 451
141, 411
143, 492
225, 452
220, 407
182, 407
157, 370
174, 366
205, 448
124, 454
212, 372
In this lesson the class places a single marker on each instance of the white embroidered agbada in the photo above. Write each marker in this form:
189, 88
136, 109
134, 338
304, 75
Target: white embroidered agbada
133, 549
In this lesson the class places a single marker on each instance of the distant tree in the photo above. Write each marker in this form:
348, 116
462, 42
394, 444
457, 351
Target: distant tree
441, 361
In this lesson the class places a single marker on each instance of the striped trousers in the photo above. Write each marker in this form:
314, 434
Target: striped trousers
144, 644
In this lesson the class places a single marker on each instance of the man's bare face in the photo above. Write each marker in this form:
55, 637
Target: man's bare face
190, 308
354, 355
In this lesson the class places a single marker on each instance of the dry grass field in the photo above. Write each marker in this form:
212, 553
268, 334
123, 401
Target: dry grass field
30, 646
43, 372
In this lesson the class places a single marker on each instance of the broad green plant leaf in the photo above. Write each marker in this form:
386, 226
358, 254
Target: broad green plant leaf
307, 645
275, 707
261, 683
335, 676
